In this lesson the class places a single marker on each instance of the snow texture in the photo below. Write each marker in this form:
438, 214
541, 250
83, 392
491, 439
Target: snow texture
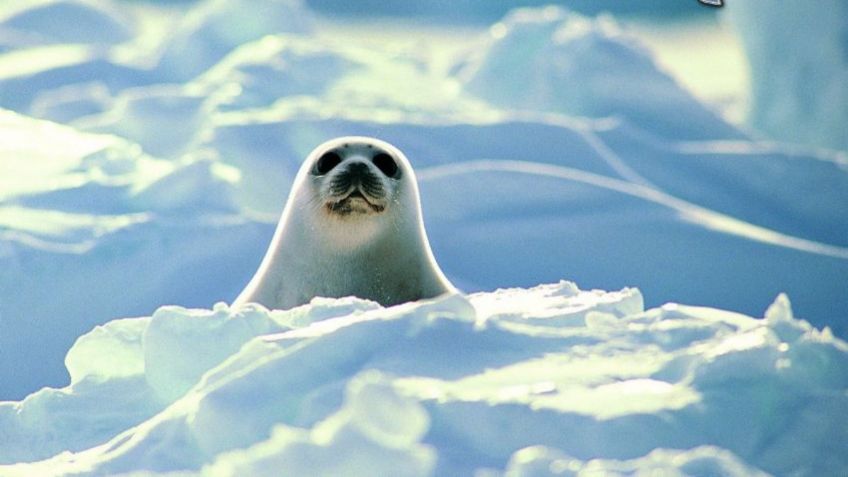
181, 182
482, 11
583, 67
550, 380
798, 56
64, 21
146, 151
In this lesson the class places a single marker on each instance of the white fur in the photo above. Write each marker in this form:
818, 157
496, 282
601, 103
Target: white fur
384, 257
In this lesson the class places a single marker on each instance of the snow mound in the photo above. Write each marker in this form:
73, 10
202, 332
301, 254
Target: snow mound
167, 185
66, 21
82, 205
799, 68
705, 461
68, 103
531, 381
47, 81
376, 431
486, 11
578, 66
164, 119
216, 27
275, 67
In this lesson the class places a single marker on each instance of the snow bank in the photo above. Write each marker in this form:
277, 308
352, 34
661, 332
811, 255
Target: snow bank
61, 72
164, 120
275, 67
486, 11
216, 27
77, 211
799, 68
165, 184
541, 461
551, 59
65, 21
530, 381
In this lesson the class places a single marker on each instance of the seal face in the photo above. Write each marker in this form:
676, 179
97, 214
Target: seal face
357, 179
352, 226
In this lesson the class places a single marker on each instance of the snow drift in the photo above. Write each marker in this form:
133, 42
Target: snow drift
163, 183
525, 381
798, 56
189, 168
549, 60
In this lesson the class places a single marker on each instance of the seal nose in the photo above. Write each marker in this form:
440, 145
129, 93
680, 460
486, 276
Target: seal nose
357, 171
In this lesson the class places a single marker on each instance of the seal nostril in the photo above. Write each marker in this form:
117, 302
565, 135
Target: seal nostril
327, 162
386, 164
357, 167
357, 172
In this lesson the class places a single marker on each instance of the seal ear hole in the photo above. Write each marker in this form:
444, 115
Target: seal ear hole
386, 164
327, 162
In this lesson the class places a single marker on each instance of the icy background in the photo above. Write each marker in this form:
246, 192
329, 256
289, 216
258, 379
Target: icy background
147, 148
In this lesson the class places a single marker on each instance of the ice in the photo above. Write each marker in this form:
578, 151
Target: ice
442, 387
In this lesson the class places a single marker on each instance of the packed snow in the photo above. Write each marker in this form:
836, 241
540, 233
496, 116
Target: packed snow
567, 66
146, 151
539, 381
798, 55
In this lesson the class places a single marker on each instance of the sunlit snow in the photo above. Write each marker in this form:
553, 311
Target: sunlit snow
147, 148
444, 386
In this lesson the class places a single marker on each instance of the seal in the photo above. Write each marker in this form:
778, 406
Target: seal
352, 225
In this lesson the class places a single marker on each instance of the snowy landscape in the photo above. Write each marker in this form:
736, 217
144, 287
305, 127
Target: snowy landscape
147, 149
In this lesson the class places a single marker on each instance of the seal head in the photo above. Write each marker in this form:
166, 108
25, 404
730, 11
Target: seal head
352, 226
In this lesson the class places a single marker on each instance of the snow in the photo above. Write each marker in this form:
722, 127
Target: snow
65, 21
215, 27
583, 67
798, 82
486, 11
146, 151
540, 461
521, 380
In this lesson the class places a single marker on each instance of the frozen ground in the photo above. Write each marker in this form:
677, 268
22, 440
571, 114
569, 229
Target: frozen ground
145, 156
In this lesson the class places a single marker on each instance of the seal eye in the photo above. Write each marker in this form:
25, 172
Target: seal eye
327, 162
386, 164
